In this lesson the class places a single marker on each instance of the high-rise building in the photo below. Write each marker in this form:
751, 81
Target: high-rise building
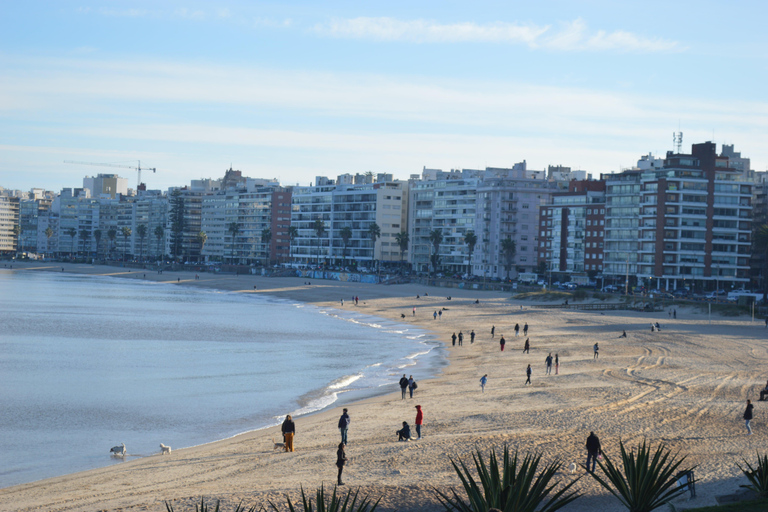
9, 224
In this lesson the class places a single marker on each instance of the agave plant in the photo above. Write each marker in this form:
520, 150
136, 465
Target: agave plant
647, 481
203, 507
513, 487
758, 475
332, 503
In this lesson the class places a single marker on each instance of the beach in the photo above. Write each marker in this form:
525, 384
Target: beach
685, 386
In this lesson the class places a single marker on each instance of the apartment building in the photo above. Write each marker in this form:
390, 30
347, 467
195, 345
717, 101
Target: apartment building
572, 231
685, 223
9, 219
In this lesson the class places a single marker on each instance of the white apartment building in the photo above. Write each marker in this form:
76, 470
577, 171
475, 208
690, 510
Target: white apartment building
9, 217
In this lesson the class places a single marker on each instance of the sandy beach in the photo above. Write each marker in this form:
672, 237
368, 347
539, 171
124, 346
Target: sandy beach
685, 386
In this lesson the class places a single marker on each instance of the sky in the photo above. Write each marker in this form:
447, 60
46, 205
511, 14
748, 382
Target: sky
293, 90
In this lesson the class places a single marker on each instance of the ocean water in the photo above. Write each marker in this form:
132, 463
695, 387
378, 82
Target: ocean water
87, 363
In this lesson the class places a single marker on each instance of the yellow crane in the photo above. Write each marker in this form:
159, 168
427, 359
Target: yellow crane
138, 168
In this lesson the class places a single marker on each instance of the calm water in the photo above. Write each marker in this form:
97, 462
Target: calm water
89, 362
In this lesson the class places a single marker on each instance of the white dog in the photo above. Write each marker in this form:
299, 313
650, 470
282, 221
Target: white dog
118, 450
165, 449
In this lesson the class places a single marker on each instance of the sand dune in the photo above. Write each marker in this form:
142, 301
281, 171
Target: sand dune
685, 386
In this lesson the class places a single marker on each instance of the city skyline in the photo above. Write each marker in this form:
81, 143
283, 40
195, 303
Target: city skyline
293, 91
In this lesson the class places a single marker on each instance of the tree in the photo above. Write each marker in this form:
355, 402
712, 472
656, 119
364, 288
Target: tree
72, 232
470, 238
508, 251
436, 238
48, 235
178, 223
126, 231
141, 230
374, 233
266, 238
202, 237
84, 236
293, 232
97, 237
319, 227
233, 229
346, 235
159, 234
112, 235
403, 239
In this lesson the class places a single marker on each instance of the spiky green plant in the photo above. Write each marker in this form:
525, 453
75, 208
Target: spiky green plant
646, 482
758, 475
513, 487
204, 507
332, 503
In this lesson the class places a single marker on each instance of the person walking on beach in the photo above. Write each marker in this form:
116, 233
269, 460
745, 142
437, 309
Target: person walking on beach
517, 330
341, 459
593, 450
419, 421
403, 385
344, 426
453, 339
472, 337
557, 364
440, 314
548, 362
502, 342
597, 351
528, 372
483, 382
461, 339
434, 315
527, 347
525, 329
414, 310
748, 416
493, 328
674, 314
411, 385
289, 430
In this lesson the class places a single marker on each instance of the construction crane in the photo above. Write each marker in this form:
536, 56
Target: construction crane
137, 168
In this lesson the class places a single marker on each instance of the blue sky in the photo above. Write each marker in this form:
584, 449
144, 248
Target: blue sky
292, 90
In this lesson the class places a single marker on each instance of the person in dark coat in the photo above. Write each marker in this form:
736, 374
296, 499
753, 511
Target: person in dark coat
344, 426
493, 328
502, 342
472, 337
404, 434
453, 339
527, 346
461, 338
517, 330
748, 416
593, 450
528, 375
341, 459
403, 385
525, 329
289, 430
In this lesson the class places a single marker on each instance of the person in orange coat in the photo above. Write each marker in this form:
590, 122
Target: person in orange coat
419, 421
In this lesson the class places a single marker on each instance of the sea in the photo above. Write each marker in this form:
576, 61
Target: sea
89, 362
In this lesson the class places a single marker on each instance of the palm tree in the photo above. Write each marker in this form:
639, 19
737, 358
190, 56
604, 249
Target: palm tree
403, 239
293, 232
202, 237
159, 233
126, 231
84, 235
141, 230
48, 235
266, 238
374, 232
513, 486
346, 234
319, 227
97, 237
436, 238
112, 235
234, 229
72, 232
508, 251
470, 238
647, 481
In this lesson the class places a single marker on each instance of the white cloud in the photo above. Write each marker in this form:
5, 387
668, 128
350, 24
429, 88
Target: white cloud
573, 36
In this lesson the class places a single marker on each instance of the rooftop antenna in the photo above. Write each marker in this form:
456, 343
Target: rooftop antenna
677, 140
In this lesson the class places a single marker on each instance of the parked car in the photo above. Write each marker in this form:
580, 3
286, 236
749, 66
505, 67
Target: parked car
610, 288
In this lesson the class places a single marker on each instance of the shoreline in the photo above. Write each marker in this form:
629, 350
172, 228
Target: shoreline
684, 386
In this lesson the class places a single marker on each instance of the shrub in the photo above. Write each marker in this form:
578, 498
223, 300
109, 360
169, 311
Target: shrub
512, 488
332, 503
203, 507
758, 476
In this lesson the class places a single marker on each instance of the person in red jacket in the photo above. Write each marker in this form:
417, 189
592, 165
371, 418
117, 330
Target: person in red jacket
419, 421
